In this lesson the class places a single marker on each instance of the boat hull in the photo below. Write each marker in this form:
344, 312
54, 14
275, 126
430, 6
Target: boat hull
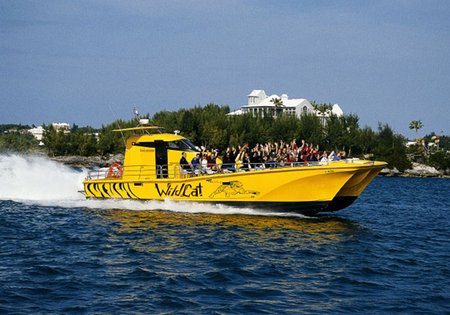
355, 185
301, 189
306, 208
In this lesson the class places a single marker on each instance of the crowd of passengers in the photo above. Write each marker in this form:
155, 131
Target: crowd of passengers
268, 155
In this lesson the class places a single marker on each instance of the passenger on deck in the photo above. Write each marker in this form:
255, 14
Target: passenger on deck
204, 162
240, 156
246, 163
324, 158
211, 160
314, 157
219, 162
228, 161
195, 162
256, 159
184, 164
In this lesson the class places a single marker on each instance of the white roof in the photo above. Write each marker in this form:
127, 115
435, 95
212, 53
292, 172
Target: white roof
259, 99
256, 92
286, 102
337, 110
236, 112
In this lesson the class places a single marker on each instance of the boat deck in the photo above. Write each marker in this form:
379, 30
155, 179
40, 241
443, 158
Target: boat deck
142, 172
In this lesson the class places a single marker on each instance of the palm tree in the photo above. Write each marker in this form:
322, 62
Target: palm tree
416, 125
322, 110
278, 103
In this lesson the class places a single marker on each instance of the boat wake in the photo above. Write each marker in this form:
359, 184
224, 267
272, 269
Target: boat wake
37, 180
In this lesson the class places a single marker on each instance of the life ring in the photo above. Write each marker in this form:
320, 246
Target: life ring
115, 170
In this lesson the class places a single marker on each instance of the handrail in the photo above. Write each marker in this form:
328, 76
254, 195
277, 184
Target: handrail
143, 172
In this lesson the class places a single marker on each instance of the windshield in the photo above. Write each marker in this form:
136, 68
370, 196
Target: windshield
183, 144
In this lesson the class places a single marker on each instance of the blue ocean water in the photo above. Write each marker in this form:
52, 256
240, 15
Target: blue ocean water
387, 253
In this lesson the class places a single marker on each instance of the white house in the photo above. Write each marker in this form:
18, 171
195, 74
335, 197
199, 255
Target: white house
37, 132
260, 103
63, 126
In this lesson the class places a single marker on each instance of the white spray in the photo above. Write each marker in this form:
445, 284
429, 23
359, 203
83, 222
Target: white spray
39, 180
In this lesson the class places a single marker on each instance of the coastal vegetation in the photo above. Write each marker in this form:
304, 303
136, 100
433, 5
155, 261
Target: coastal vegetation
210, 127
17, 138
416, 125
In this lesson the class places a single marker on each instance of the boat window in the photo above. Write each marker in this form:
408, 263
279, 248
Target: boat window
190, 144
145, 144
183, 144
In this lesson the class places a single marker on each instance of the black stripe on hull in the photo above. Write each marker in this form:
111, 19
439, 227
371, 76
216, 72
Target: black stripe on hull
339, 203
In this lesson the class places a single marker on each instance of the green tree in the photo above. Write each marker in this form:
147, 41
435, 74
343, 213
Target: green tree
284, 128
168, 120
310, 129
189, 125
278, 103
239, 129
17, 140
440, 160
323, 110
49, 139
113, 142
210, 126
416, 125
367, 140
86, 144
391, 148
351, 134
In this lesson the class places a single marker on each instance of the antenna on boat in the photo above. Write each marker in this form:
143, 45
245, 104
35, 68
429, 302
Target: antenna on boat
121, 133
142, 121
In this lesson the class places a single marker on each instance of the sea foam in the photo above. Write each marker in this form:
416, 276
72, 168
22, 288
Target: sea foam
32, 179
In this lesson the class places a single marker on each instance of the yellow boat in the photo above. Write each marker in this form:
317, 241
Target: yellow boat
151, 171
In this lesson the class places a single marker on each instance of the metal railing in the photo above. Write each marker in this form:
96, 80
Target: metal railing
142, 172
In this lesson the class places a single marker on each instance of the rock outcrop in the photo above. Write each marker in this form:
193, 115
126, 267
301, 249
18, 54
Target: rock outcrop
422, 170
89, 161
390, 172
417, 170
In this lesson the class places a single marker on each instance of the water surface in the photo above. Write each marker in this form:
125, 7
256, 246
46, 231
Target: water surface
387, 253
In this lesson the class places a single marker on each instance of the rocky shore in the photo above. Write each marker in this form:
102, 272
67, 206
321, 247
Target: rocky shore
89, 161
417, 170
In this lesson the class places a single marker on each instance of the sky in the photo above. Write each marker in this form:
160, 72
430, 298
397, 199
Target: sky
90, 62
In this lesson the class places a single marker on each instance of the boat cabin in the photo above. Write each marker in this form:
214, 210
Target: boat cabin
151, 156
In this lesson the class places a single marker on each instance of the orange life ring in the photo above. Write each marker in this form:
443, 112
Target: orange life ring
115, 170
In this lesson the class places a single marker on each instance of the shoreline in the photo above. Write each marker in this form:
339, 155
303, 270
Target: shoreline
417, 170
77, 161
405, 175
